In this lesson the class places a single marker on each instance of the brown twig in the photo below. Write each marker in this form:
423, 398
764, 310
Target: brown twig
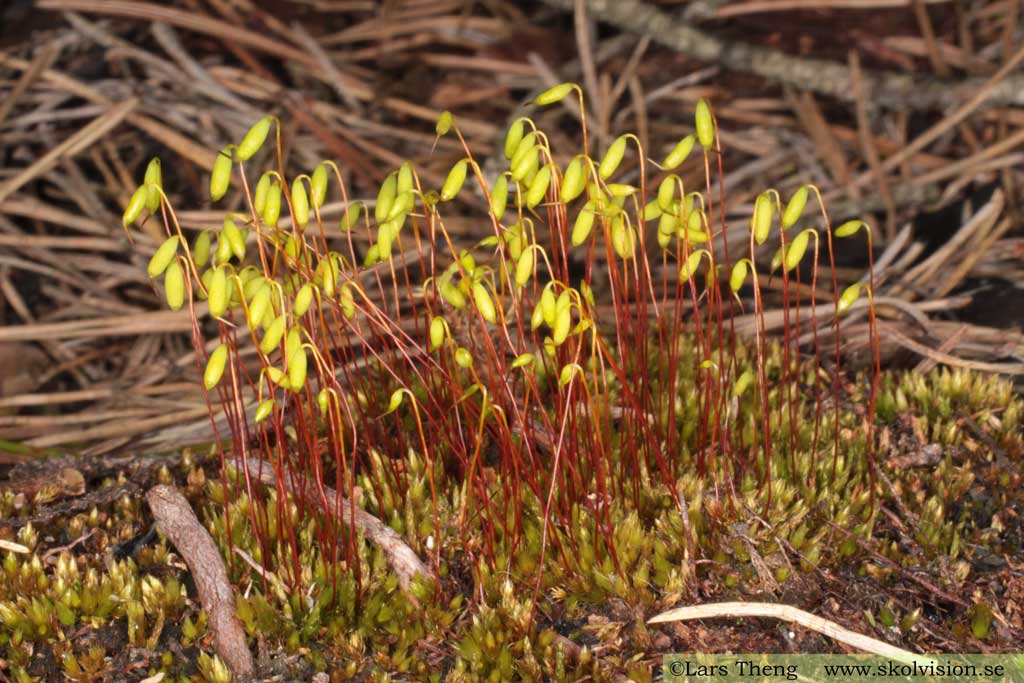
176, 520
785, 613
816, 75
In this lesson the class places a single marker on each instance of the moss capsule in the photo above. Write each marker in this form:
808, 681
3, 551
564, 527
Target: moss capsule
554, 94
300, 203
573, 182
135, 206
539, 187
678, 154
513, 137
163, 256
761, 220
174, 285
215, 367
613, 157
220, 178
499, 196
705, 124
386, 197
153, 182
254, 139
795, 207
318, 186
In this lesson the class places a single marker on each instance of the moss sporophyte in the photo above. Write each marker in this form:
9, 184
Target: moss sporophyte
555, 440
529, 390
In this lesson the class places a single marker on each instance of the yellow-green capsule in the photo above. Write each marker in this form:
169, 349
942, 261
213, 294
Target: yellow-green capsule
174, 285
623, 238
163, 256
201, 249
484, 303
513, 137
352, 213
452, 294
153, 182
444, 123
234, 238
347, 301
215, 367
524, 267
697, 236
761, 221
259, 305
219, 294
668, 224
795, 207
695, 221
278, 378
272, 209
849, 228
386, 197
539, 187
220, 178
372, 256
404, 203
678, 154
223, 253
272, 337
742, 382
259, 197
527, 143
573, 182
584, 224
705, 124
499, 196
690, 267
522, 360
738, 276
537, 318
254, 139
563, 325
848, 297
664, 239
297, 369
385, 238
453, 183
795, 250
652, 211
548, 306
263, 410
293, 341
406, 181
554, 94
318, 186
613, 157
666, 192
300, 203
525, 165
463, 358
323, 400
135, 205
207, 279
437, 333
303, 299
252, 279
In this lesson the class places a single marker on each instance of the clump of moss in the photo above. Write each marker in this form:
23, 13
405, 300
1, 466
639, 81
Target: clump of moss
480, 622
